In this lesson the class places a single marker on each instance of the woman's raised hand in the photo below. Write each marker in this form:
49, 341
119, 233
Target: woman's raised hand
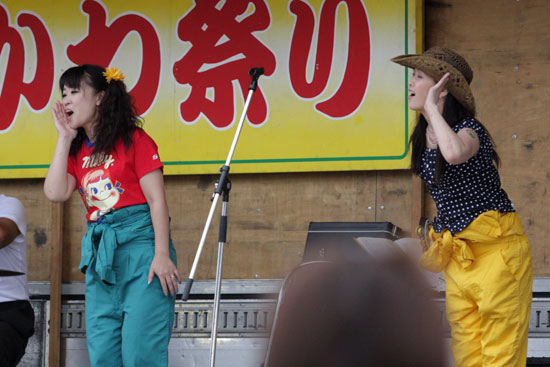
434, 94
61, 121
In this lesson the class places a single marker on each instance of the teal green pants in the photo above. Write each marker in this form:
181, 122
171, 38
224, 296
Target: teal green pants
128, 322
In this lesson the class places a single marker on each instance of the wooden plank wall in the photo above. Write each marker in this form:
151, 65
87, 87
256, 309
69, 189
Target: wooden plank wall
268, 218
508, 46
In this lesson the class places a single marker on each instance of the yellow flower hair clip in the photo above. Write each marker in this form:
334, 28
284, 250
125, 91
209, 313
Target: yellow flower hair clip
113, 74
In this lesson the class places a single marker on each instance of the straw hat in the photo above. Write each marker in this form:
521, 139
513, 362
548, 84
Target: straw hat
437, 61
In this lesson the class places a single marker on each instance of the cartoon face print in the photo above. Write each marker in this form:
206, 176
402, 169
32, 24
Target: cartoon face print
100, 192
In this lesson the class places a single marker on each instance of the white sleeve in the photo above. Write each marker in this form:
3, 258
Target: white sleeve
11, 208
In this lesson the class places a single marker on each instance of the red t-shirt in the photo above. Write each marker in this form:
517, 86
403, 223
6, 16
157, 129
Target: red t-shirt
114, 183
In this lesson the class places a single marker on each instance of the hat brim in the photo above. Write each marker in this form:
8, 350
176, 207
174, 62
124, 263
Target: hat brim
457, 85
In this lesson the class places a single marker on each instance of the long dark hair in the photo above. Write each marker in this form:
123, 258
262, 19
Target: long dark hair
453, 113
117, 114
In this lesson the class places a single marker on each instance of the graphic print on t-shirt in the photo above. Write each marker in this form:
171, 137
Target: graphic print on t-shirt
99, 192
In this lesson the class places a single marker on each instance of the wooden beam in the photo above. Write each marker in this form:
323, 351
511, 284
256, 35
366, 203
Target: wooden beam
55, 285
417, 202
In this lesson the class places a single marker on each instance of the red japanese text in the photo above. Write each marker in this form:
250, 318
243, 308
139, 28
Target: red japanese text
353, 86
38, 91
102, 42
223, 49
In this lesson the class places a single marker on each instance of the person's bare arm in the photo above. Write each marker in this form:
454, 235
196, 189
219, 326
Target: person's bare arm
8, 231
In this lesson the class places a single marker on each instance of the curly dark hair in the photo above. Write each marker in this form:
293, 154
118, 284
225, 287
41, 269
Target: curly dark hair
117, 113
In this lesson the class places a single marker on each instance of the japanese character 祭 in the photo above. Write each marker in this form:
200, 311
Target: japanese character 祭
223, 49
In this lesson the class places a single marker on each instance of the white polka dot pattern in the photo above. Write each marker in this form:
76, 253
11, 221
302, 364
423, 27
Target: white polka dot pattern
468, 189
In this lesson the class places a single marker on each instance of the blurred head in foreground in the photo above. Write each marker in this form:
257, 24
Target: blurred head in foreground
356, 314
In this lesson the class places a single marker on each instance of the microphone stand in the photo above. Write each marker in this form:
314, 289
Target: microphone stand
223, 186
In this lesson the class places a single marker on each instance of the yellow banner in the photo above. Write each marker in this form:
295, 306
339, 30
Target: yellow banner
329, 98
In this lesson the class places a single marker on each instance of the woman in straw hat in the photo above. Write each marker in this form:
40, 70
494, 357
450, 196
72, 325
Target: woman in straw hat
477, 238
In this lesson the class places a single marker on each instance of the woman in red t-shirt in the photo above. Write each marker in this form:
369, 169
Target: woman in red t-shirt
127, 253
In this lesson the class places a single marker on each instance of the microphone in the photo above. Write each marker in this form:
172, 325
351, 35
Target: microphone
255, 74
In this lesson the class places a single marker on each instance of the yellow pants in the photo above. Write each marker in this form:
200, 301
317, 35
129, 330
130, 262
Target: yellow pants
489, 278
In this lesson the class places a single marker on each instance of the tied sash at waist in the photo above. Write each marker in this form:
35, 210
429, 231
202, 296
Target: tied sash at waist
131, 224
488, 228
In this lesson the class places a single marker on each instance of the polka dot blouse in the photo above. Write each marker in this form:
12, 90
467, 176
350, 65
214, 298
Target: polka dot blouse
468, 189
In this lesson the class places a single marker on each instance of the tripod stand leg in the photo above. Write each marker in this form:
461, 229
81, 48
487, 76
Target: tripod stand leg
217, 293
215, 312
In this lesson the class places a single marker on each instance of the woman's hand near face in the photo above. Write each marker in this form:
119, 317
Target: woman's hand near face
435, 93
60, 118
59, 185
456, 148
